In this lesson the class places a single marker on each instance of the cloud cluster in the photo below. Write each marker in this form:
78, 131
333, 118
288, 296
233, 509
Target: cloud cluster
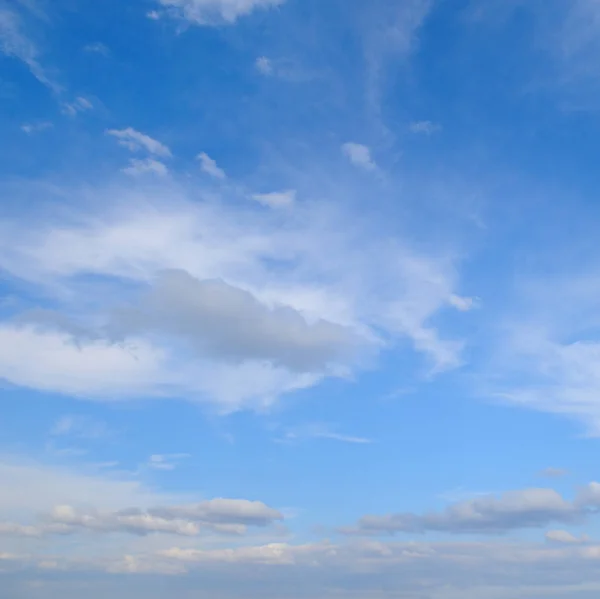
135, 141
514, 510
284, 297
220, 516
436, 570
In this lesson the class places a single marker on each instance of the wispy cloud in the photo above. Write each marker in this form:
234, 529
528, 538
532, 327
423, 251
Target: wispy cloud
147, 166
210, 167
213, 12
31, 128
135, 142
425, 127
322, 431
97, 48
82, 427
80, 104
168, 461
14, 42
276, 199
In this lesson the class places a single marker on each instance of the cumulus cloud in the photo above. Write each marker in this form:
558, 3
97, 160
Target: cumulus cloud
529, 508
229, 323
220, 516
359, 155
276, 199
209, 166
440, 570
135, 142
320, 297
212, 12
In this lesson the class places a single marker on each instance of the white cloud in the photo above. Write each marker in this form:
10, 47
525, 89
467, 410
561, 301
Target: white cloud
31, 128
327, 272
209, 166
483, 515
228, 323
138, 168
276, 199
425, 127
82, 427
14, 42
359, 155
390, 36
80, 104
554, 472
167, 461
97, 48
564, 537
264, 65
463, 304
135, 141
322, 431
30, 487
223, 511
210, 12
217, 516
55, 361
547, 348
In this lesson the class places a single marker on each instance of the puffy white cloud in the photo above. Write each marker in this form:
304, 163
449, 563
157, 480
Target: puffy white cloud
276, 199
229, 323
135, 141
210, 12
319, 289
484, 515
359, 155
209, 166
223, 511
217, 516
61, 363
55, 361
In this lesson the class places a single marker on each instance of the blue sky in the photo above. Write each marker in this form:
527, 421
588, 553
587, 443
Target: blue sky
298, 298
